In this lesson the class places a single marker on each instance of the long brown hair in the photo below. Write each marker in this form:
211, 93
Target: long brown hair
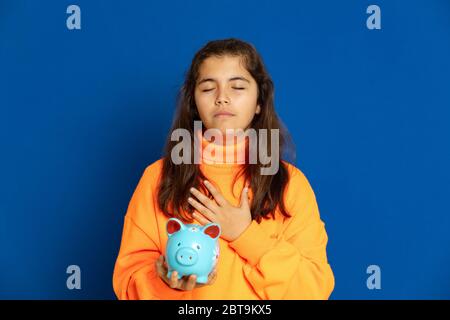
177, 179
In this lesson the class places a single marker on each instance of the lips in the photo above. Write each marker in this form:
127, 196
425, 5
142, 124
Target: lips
224, 114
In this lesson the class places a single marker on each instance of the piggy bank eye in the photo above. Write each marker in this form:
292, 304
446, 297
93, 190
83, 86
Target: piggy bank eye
198, 247
179, 243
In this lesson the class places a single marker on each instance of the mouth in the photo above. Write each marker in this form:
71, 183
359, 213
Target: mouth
223, 114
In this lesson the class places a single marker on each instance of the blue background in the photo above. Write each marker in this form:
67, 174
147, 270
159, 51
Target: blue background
83, 112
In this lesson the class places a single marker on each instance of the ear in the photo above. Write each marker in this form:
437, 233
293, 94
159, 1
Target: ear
212, 230
258, 109
174, 225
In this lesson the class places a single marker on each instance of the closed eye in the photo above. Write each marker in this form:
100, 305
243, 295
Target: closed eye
236, 88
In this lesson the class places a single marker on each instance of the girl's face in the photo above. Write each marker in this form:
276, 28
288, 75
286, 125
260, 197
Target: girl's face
226, 94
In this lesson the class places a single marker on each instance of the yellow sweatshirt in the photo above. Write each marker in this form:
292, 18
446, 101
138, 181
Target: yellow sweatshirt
281, 258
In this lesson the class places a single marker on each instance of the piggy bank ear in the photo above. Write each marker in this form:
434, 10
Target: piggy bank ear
212, 230
174, 225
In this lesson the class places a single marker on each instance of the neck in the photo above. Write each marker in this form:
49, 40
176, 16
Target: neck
218, 149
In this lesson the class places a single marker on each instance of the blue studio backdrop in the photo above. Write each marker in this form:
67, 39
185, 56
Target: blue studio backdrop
85, 110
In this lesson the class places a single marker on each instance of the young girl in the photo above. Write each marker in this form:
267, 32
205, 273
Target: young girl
273, 242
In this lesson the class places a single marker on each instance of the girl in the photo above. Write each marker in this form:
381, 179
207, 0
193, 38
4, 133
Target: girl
272, 242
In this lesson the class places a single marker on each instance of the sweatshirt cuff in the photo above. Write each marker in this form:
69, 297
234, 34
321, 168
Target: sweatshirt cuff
253, 243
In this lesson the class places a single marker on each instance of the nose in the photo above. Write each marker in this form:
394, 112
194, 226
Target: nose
222, 99
186, 256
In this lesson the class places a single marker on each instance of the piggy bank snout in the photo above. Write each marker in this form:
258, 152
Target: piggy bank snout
186, 256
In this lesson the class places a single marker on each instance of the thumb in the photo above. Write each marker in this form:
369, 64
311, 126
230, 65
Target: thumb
244, 198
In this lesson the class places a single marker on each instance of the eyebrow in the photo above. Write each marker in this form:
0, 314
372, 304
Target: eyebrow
214, 80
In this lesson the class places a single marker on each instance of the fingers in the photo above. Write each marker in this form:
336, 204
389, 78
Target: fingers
213, 279
159, 261
201, 219
212, 276
190, 284
244, 198
173, 281
221, 201
159, 266
205, 201
186, 282
202, 209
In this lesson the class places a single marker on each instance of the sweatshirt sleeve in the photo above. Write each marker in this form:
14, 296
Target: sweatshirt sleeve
292, 265
135, 276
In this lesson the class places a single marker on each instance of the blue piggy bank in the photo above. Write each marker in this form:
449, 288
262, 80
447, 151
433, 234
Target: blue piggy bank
192, 249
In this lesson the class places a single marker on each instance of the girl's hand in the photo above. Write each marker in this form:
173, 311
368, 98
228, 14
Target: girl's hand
184, 283
232, 220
